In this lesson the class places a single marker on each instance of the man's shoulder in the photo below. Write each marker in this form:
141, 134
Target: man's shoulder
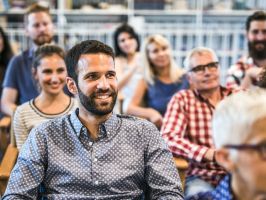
184, 95
19, 59
137, 122
132, 119
57, 124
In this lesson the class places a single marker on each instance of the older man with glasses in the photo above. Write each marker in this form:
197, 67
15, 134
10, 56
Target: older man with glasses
187, 122
239, 133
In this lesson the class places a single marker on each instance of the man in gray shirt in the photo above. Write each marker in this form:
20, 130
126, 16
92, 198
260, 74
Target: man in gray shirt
93, 153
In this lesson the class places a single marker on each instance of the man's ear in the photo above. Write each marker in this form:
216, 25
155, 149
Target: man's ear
71, 85
224, 159
188, 76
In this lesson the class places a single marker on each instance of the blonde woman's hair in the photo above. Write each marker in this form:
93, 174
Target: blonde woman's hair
149, 74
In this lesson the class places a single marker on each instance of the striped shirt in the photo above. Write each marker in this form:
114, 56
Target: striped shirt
187, 130
28, 116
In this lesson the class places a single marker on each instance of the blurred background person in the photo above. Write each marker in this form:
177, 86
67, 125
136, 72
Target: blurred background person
127, 62
162, 78
19, 86
6, 54
50, 72
239, 133
246, 71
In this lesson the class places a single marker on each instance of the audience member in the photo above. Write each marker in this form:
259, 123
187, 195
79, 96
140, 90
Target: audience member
246, 71
19, 86
162, 78
187, 122
6, 54
93, 153
129, 70
49, 70
239, 133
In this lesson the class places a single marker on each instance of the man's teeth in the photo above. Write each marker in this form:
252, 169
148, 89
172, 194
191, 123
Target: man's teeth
103, 97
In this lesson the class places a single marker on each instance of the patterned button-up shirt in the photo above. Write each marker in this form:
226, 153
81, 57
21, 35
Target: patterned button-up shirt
128, 159
237, 72
222, 192
187, 131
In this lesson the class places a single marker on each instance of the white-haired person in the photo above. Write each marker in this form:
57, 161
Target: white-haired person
187, 121
162, 79
239, 133
49, 71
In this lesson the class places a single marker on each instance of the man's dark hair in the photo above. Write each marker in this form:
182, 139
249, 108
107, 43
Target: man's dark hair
121, 29
85, 47
35, 8
256, 16
46, 51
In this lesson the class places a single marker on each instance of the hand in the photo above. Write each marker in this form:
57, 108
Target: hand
155, 117
210, 155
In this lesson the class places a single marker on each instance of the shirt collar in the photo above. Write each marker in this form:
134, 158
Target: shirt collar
224, 92
109, 128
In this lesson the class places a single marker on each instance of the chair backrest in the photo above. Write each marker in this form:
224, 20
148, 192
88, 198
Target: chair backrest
8, 162
181, 165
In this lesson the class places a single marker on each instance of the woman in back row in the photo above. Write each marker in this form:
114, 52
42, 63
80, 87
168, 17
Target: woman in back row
50, 72
128, 69
162, 78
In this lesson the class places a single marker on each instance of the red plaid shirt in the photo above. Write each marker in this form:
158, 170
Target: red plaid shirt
237, 72
187, 131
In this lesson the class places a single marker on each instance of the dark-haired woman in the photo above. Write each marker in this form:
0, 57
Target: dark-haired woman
129, 71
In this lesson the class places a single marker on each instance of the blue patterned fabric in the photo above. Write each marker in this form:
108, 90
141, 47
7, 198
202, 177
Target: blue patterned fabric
222, 192
129, 158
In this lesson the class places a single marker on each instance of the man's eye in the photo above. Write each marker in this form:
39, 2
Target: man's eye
92, 77
110, 75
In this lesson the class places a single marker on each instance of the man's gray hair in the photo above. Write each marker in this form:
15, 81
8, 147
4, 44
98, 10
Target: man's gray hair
235, 115
199, 51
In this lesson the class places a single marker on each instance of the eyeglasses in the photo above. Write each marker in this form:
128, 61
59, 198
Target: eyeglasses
201, 68
260, 148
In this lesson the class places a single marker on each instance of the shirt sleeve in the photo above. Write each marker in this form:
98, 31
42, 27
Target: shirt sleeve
12, 72
19, 127
161, 174
174, 131
28, 172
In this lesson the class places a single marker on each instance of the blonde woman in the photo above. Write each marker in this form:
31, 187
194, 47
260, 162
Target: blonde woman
162, 78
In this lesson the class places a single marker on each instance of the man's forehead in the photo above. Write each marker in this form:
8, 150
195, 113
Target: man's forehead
258, 24
99, 59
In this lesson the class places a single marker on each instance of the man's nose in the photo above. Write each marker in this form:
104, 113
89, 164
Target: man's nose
261, 36
103, 83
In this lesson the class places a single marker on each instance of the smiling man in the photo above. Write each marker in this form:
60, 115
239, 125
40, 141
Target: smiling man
245, 73
19, 85
187, 122
93, 153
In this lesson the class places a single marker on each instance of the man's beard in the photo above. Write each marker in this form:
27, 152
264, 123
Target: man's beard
43, 39
90, 104
255, 52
